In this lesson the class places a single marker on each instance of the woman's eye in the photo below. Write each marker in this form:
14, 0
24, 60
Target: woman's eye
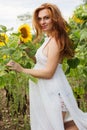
46, 17
39, 19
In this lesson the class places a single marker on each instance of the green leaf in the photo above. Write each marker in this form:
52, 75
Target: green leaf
67, 71
2, 82
3, 29
73, 63
7, 51
83, 34
35, 80
85, 71
2, 73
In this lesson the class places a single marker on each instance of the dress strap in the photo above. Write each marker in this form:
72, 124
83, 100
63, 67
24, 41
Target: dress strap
47, 39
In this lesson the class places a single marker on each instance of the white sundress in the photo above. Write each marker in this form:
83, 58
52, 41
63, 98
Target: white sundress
45, 101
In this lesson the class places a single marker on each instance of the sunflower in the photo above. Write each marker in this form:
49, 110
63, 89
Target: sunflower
3, 39
5, 56
77, 20
25, 33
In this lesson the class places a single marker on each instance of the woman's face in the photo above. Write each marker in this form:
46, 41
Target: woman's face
45, 21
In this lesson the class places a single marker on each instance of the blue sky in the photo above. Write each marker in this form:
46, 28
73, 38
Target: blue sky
10, 9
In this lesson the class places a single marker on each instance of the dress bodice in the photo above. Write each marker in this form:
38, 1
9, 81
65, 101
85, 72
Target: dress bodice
41, 59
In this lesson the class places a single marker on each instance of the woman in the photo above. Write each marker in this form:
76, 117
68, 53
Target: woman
51, 99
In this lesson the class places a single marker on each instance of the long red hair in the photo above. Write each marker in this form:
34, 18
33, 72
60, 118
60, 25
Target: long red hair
59, 29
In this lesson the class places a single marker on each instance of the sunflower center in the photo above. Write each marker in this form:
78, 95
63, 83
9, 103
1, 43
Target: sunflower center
24, 32
2, 38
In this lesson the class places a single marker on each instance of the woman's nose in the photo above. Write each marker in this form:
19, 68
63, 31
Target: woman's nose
42, 21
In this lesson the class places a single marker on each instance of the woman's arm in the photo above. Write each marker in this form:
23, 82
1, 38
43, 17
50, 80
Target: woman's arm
49, 70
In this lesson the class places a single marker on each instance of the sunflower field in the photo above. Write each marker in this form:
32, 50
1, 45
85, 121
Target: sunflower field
18, 46
77, 67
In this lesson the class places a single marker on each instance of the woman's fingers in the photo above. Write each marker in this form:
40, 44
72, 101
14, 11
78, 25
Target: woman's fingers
14, 66
11, 63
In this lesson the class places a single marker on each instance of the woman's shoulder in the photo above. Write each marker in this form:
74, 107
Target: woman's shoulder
52, 39
53, 44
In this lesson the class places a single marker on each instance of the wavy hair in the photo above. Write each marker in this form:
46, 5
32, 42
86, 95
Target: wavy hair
59, 29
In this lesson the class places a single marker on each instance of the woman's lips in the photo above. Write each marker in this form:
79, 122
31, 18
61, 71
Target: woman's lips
44, 27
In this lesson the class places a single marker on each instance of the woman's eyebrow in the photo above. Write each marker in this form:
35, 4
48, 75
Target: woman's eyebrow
43, 16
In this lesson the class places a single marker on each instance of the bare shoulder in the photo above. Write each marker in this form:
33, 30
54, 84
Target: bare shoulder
53, 41
53, 45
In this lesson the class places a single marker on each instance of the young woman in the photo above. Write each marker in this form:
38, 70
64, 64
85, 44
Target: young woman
51, 99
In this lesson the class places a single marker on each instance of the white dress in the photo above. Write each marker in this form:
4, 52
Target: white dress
45, 103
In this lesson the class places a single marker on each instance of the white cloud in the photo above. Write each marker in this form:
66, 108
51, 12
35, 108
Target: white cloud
6, 11
8, 14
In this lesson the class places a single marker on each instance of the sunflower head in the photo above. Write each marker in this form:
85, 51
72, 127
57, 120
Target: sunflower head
25, 33
3, 39
77, 20
5, 56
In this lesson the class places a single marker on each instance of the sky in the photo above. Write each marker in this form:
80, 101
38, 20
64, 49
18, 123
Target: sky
10, 9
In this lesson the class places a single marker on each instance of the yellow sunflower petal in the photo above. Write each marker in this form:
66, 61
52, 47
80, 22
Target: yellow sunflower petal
2, 44
25, 33
3, 39
5, 56
77, 20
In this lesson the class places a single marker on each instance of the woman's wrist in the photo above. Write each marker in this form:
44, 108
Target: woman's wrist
26, 71
23, 70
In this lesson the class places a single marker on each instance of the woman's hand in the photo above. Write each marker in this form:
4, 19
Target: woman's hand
14, 66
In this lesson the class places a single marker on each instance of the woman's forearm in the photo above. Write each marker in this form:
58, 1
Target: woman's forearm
39, 73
